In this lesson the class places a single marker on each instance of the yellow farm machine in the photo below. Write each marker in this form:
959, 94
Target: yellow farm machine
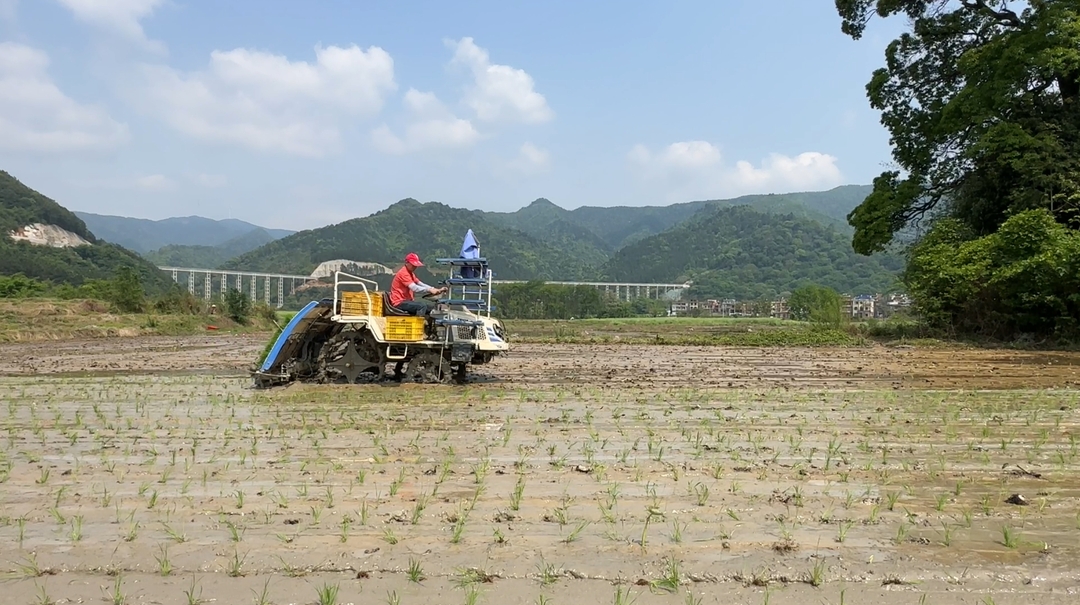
352, 337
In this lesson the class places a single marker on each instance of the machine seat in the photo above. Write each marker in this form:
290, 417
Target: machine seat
390, 310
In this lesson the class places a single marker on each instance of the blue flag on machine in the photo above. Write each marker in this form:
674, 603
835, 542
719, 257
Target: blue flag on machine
470, 249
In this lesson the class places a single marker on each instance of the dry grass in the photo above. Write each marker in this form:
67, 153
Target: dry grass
29, 320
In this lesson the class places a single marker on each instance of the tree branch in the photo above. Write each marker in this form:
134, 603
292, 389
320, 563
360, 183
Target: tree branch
1004, 16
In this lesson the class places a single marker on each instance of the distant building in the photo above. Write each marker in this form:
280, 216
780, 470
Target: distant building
862, 307
859, 307
780, 309
728, 307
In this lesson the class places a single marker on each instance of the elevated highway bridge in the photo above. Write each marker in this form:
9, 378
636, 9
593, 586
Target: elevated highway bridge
274, 287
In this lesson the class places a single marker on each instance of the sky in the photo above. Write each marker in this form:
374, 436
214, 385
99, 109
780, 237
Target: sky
297, 115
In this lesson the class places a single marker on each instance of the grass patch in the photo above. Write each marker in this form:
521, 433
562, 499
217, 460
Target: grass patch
38, 319
746, 332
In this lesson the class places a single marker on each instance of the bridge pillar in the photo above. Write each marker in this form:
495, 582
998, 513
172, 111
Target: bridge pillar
174, 277
224, 285
266, 290
191, 283
254, 298
206, 285
280, 292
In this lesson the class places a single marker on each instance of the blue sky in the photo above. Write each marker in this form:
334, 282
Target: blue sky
300, 114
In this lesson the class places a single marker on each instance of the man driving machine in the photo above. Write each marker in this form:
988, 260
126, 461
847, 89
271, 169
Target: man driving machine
406, 284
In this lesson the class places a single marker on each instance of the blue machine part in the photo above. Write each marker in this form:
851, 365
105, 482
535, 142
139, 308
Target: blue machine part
305, 316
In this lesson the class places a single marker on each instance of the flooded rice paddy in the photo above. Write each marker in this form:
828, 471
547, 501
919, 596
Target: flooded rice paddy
146, 471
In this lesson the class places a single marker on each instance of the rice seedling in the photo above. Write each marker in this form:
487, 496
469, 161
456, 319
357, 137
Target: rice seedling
515, 496
164, 565
235, 565
1009, 536
327, 594
116, 596
816, 576
263, 597
669, 581
415, 573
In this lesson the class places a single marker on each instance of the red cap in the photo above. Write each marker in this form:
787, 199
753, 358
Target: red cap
413, 259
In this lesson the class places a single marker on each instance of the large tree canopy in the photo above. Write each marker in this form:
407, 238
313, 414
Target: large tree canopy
982, 102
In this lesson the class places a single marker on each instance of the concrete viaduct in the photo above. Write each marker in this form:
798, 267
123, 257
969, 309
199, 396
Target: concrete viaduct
203, 282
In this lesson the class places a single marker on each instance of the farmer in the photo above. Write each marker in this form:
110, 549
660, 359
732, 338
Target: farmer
406, 284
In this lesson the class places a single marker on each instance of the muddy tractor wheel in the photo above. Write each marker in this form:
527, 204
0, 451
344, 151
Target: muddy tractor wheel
427, 367
353, 355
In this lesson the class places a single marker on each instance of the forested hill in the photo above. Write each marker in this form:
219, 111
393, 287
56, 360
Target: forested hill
741, 253
613, 227
176, 255
431, 230
21, 206
143, 235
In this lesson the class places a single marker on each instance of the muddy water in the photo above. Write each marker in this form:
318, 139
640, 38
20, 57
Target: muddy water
637, 466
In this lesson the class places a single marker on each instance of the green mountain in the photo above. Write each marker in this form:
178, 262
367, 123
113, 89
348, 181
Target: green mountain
747, 247
85, 257
431, 230
550, 223
143, 235
208, 257
740, 252
617, 226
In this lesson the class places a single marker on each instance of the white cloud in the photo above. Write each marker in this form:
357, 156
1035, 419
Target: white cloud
496, 93
696, 169
210, 180
266, 102
686, 156
499, 92
530, 160
154, 182
432, 126
535, 156
120, 17
35, 115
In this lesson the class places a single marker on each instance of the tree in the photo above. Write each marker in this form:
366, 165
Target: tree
237, 306
814, 303
127, 291
982, 102
1024, 278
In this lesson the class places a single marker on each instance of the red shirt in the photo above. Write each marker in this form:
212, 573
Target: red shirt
399, 288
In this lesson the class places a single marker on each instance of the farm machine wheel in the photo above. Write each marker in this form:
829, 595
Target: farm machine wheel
351, 354
428, 367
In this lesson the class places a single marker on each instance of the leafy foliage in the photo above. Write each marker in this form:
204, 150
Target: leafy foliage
127, 291
981, 102
740, 253
1023, 278
816, 304
21, 286
238, 306
537, 300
